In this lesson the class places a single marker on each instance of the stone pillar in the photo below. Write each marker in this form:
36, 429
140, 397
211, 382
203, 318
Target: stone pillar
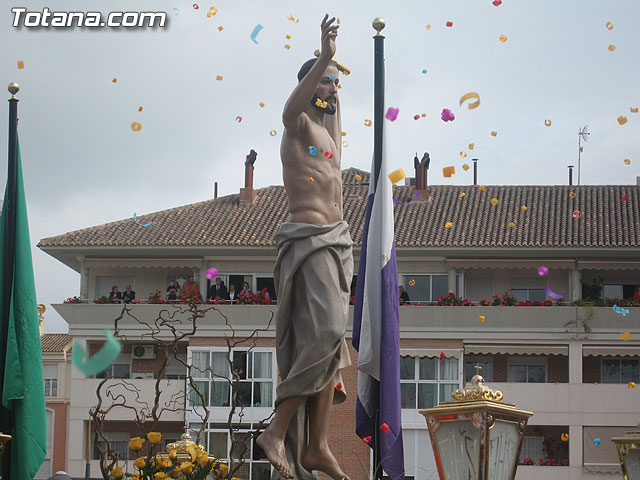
576, 284
452, 280
84, 279
203, 278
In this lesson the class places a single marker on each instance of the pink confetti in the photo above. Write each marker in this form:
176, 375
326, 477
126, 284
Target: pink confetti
577, 214
624, 197
416, 117
447, 115
238, 119
449, 24
497, 3
212, 272
328, 154
542, 271
196, 6
385, 428
392, 113
367, 439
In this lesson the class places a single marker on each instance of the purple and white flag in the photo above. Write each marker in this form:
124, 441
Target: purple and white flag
376, 326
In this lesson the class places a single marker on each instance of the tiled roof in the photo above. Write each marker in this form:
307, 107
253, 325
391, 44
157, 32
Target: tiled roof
55, 342
605, 220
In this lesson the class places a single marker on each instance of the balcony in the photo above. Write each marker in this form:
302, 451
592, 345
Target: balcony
83, 398
533, 472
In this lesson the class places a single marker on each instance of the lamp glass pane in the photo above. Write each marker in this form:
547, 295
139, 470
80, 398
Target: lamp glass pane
459, 449
632, 463
503, 449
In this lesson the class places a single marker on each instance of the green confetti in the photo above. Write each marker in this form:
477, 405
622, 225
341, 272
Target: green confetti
101, 360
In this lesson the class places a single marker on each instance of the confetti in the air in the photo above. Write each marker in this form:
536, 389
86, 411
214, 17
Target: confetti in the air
140, 108
572, 195
462, 194
621, 311
471, 145
136, 126
20, 64
465, 167
313, 150
627, 161
494, 133
261, 104
238, 119
631, 385
596, 441
392, 113
412, 282
424, 70
449, 24
367, 439
397, 175
220, 28
576, 214
367, 123
428, 27
494, 201
385, 428
101, 360
469, 96
311, 179
622, 119
503, 38
447, 115
288, 37
609, 25
463, 155
212, 11
114, 80
523, 208
448, 225
497, 2
255, 32
358, 177
623, 197
135, 220
611, 48
212, 272
448, 171
196, 6
633, 109
273, 133
564, 437
543, 271
481, 318
547, 122
219, 78
553, 295
328, 154
287, 46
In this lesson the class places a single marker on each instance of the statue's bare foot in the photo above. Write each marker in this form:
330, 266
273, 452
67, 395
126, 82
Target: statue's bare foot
323, 460
276, 453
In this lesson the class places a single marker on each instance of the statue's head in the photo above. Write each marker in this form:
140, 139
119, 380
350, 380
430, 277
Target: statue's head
327, 88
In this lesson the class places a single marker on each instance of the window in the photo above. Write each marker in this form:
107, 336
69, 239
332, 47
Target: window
45, 468
532, 448
266, 282
427, 381
104, 284
50, 372
175, 368
254, 369
425, 288
532, 294
116, 370
486, 362
619, 370
612, 291
527, 369
119, 443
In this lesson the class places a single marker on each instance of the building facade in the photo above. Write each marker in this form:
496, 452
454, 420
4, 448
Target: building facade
572, 362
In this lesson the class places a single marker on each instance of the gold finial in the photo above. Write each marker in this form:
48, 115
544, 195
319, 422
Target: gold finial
13, 89
378, 23
477, 391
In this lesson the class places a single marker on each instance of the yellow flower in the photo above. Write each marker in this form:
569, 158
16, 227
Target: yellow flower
173, 454
203, 459
139, 463
224, 469
191, 450
164, 462
159, 476
186, 467
116, 472
136, 476
135, 443
175, 473
154, 438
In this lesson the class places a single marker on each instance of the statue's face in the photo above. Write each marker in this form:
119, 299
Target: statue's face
327, 90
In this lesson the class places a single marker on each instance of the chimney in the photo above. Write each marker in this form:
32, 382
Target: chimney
248, 194
570, 167
422, 170
475, 171
637, 183
215, 189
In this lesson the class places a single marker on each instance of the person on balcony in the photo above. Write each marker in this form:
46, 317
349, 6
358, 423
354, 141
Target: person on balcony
128, 294
172, 290
233, 296
246, 289
115, 294
190, 287
218, 290
404, 296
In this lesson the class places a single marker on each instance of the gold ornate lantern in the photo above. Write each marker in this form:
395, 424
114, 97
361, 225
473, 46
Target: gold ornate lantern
4, 439
476, 436
629, 452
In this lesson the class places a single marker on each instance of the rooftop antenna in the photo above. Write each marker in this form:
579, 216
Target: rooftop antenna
582, 135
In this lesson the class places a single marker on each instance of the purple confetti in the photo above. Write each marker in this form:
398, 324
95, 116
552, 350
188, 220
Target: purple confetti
392, 113
555, 296
447, 115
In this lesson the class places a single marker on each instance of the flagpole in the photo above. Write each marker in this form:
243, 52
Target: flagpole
6, 418
378, 124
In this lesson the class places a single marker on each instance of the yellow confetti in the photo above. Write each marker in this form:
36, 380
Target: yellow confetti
344, 134
311, 179
219, 78
412, 282
471, 145
114, 80
358, 177
261, 104
469, 96
612, 48
448, 225
273, 133
212, 11
632, 385
633, 109
481, 318
462, 195
626, 335
292, 18
547, 122
503, 38
287, 46
367, 123
338, 20
448, 171
465, 166
20, 64
288, 37
511, 224
481, 187
320, 103
622, 119
428, 26
494, 133
397, 175
220, 28
609, 25
463, 154
572, 195
140, 108
136, 126
494, 201
523, 208
423, 115
339, 86
627, 161
564, 437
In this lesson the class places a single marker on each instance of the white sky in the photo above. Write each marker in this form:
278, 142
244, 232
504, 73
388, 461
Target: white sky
83, 165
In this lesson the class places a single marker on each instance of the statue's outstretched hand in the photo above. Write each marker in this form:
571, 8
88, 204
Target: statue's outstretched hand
329, 34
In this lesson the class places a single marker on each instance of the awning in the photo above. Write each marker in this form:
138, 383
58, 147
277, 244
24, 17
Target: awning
603, 457
145, 263
610, 351
610, 265
520, 264
511, 349
430, 352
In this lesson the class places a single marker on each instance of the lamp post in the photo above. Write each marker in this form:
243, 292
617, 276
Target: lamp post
476, 436
629, 452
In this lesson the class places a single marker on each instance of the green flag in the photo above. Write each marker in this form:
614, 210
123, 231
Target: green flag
23, 389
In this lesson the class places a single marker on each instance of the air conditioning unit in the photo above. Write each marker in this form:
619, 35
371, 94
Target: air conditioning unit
143, 376
144, 352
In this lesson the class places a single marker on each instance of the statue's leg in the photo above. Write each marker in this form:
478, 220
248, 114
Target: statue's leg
318, 455
272, 439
